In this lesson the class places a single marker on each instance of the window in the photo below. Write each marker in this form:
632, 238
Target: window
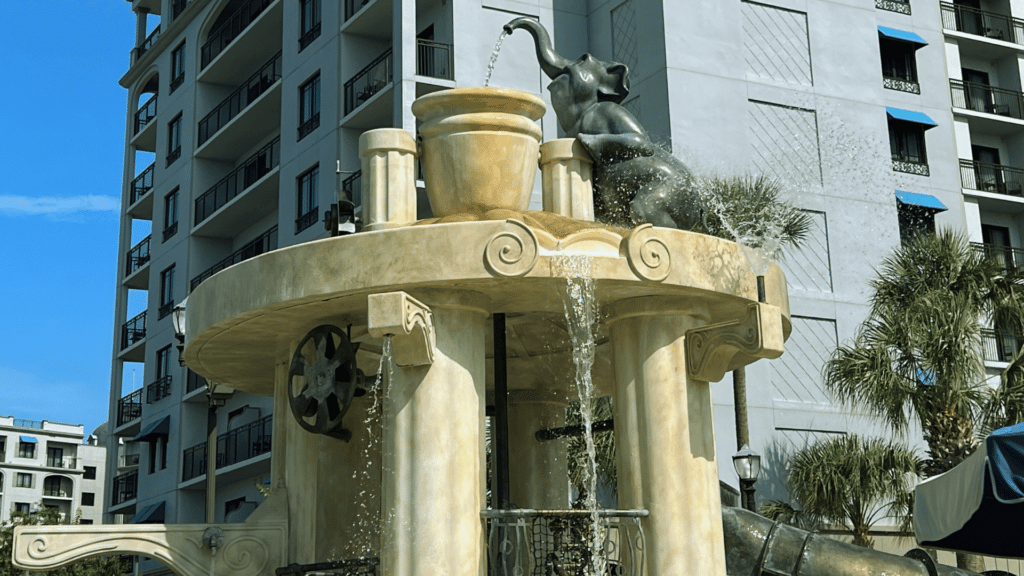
166, 291
23, 480
307, 198
3, 452
309, 22
174, 139
90, 473
26, 449
914, 220
309, 106
171, 214
54, 456
906, 142
52, 487
177, 66
157, 454
899, 66
22, 507
84, 521
161, 387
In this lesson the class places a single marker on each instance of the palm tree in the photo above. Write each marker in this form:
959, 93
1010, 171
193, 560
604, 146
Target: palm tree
851, 481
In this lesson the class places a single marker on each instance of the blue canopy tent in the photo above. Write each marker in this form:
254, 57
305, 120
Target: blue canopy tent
977, 506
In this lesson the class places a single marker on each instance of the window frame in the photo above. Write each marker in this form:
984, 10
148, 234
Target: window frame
899, 65
174, 139
903, 136
309, 105
171, 213
177, 66
50, 452
90, 473
307, 198
31, 451
166, 291
19, 480
310, 18
88, 499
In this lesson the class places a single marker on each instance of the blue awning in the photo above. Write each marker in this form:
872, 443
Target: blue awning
922, 200
910, 116
29, 439
152, 514
161, 427
897, 34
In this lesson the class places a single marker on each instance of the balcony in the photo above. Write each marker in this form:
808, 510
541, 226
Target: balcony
353, 6
559, 542
238, 445
69, 462
368, 81
126, 487
142, 184
264, 243
434, 59
353, 186
145, 114
985, 98
900, 6
981, 23
1001, 346
257, 84
994, 178
133, 331
901, 84
194, 382
138, 256
1011, 258
220, 38
909, 166
129, 408
146, 44
159, 389
238, 181
177, 7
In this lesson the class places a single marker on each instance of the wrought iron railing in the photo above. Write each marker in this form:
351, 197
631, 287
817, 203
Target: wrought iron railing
138, 256
257, 166
1001, 345
173, 155
147, 43
133, 330
126, 487
353, 567
220, 38
1010, 258
307, 127
194, 381
171, 230
981, 23
246, 94
307, 219
159, 389
262, 244
368, 81
307, 38
177, 7
145, 114
991, 177
561, 542
901, 6
909, 167
238, 445
985, 98
434, 59
353, 186
129, 407
901, 84
142, 184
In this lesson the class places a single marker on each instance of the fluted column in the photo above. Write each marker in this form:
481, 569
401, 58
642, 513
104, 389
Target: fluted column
565, 168
388, 157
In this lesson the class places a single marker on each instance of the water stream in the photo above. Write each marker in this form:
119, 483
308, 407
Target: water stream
367, 517
494, 58
580, 306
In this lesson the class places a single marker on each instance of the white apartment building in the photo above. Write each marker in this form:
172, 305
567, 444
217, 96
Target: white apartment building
879, 115
52, 465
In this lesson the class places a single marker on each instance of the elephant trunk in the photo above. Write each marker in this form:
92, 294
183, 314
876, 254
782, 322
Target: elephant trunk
550, 62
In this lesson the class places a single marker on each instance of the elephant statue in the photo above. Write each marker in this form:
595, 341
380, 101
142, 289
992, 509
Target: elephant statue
635, 181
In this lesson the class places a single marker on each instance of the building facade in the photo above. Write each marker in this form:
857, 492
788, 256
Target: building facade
51, 465
244, 116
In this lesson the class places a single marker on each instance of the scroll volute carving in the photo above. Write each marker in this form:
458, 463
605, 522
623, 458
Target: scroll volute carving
408, 321
713, 350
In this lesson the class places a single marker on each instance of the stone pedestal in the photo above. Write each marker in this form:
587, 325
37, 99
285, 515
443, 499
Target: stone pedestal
388, 158
665, 437
565, 168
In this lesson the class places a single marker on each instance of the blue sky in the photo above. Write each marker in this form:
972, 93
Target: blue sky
61, 153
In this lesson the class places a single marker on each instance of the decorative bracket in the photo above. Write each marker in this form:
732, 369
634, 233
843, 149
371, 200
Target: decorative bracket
408, 321
713, 350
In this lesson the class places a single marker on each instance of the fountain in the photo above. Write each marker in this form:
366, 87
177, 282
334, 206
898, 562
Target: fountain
469, 304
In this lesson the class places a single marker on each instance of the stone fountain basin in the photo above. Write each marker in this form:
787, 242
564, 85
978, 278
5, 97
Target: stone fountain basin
244, 320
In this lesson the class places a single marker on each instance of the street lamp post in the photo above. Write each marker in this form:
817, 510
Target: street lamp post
178, 319
748, 467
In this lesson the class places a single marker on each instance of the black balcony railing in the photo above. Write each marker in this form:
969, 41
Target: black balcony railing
901, 84
257, 166
1000, 345
159, 389
133, 330
246, 94
126, 487
1010, 258
981, 23
434, 59
220, 38
264, 243
177, 7
145, 114
147, 43
129, 408
238, 445
353, 186
309, 125
170, 231
138, 256
901, 6
164, 309
194, 381
985, 98
307, 38
368, 81
991, 178
173, 155
910, 167
353, 6
142, 184
561, 542
307, 219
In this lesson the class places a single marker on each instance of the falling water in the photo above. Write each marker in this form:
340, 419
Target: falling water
759, 233
494, 58
580, 306
366, 518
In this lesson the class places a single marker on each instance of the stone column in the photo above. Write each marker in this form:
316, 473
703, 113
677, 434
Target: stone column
434, 448
664, 437
541, 468
140, 26
388, 157
565, 179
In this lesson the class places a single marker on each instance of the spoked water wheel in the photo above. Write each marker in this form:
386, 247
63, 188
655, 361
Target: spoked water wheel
322, 380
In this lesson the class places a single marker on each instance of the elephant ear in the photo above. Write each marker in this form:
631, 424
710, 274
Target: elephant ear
615, 84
